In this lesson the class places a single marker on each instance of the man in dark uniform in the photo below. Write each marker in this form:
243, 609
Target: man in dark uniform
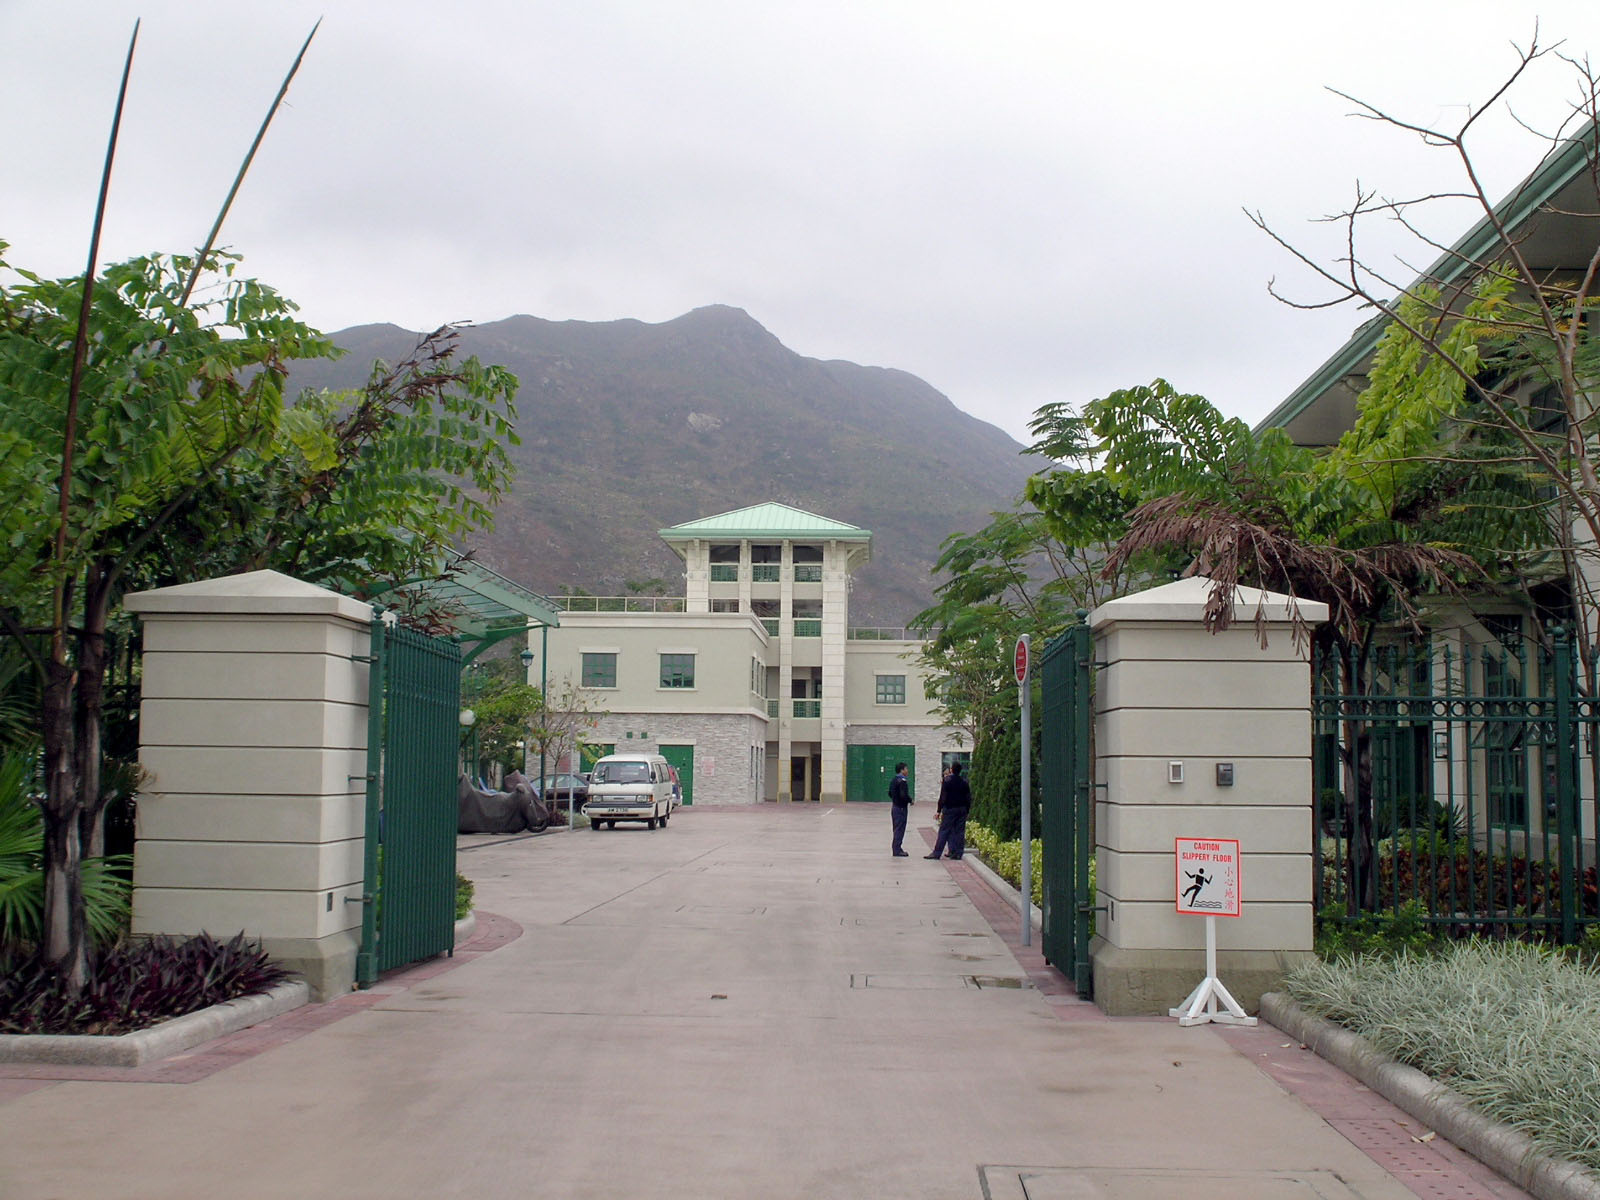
955, 798
899, 797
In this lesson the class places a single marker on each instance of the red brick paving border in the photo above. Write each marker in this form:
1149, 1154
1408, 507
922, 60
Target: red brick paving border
1429, 1166
493, 931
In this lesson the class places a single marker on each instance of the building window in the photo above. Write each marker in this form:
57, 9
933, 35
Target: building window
599, 670
677, 670
725, 605
891, 689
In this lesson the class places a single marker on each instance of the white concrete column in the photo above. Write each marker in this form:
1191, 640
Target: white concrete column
697, 577
835, 631
746, 576
1232, 721
253, 732
786, 676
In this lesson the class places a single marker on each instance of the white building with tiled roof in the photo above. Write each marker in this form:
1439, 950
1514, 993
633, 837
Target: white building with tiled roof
753, 683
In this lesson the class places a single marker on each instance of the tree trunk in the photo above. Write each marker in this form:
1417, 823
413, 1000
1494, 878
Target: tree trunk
64, 946
90, 710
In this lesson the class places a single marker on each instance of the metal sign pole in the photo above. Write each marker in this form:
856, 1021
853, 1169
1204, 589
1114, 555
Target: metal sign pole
1024, 667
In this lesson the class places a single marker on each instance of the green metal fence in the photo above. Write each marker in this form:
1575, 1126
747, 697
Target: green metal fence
1458, 779
413, 735
1066, 783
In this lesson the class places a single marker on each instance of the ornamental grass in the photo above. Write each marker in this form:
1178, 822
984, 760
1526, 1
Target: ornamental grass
1513, 1028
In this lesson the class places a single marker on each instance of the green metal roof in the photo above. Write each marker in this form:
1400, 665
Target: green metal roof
482, 606
489, 602
1570, 162
768, 520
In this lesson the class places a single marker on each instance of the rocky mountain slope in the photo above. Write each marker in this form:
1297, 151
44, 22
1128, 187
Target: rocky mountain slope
629, 427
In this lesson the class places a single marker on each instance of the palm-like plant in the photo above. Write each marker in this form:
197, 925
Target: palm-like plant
105, 885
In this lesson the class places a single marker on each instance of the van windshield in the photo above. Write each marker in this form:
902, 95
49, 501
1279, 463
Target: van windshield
621, 772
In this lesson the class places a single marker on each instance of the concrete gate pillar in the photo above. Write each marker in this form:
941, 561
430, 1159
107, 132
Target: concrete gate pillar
253, 731
1174, 703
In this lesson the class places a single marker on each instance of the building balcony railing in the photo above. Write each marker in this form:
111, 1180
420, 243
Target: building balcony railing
808, 627
617, 604
764, 572
807, 708
808, 572
770, 624
880, 634
724, 572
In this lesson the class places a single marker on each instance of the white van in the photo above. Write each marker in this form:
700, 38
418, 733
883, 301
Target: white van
631, 787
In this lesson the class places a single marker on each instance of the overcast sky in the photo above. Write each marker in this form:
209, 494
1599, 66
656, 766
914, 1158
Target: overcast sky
1018, 202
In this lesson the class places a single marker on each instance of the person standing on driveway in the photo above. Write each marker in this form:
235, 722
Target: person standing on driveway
955, 798
899, 797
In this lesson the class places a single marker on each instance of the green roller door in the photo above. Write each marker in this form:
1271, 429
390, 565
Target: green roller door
868, 770
681, 758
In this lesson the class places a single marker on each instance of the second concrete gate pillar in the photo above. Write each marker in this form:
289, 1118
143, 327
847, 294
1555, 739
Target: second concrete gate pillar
1199, 735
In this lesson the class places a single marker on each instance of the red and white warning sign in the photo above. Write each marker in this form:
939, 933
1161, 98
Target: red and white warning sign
1208, 877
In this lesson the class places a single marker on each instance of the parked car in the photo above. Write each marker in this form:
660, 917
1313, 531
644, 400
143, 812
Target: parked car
631, 787
562, 790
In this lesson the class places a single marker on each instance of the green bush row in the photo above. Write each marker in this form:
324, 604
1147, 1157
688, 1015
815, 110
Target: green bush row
1005, 858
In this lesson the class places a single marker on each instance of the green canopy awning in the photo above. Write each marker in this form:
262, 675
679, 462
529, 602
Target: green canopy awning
481, 606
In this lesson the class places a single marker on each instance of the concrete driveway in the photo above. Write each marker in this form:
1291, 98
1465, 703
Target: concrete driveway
754, 1002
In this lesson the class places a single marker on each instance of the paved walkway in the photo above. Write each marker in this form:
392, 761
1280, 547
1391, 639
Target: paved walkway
753, 1002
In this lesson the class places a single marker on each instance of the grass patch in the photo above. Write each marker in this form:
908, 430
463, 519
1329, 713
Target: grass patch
1509, 1026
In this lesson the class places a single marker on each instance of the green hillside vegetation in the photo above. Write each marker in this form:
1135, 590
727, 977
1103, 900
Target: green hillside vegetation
629, 427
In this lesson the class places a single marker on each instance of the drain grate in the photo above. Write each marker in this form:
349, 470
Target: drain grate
1155, 1183
928, 983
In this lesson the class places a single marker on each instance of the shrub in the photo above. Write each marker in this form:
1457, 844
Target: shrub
105, 880
1005, 858
464, 893
136, 986
1509, 1025
1405, 930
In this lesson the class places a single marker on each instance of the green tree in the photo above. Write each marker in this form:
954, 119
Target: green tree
163, 395
1366, 530
1030, 571
1525, 366
188, 462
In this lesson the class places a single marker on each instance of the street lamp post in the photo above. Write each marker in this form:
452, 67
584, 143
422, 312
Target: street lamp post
469, 720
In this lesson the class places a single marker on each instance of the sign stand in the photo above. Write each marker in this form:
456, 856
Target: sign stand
1208, 885
1201, 1004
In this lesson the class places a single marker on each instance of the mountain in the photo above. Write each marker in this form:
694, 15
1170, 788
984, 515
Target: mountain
629, 427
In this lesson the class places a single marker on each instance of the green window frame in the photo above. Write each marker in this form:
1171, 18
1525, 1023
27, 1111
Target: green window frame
677, 670
599, 669
891, 689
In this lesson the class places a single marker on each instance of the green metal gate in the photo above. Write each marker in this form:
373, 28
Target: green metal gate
681, 760
413, 737
1066, 780
868, 770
